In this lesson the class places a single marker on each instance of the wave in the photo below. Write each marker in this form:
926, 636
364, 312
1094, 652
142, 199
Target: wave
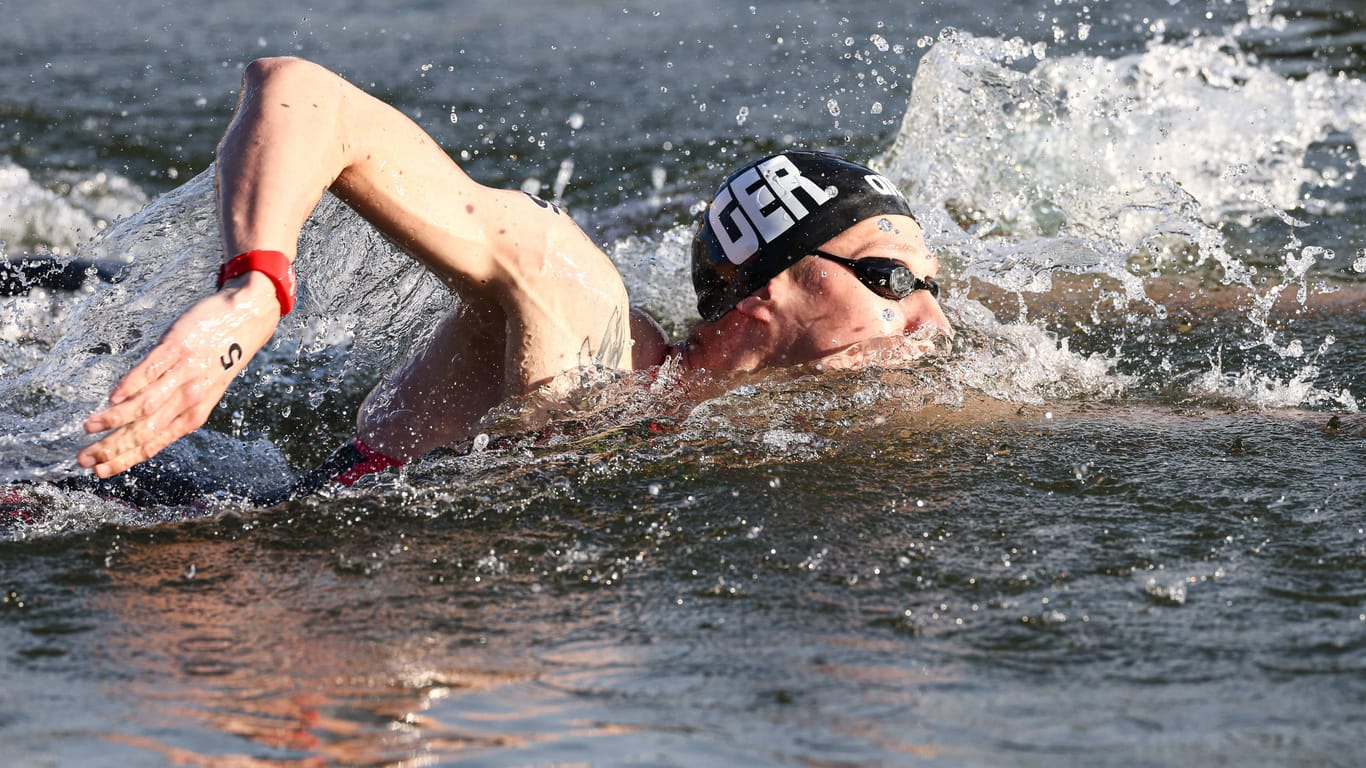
57, 214
1119, 181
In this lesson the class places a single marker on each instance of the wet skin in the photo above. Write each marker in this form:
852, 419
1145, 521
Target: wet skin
832, 310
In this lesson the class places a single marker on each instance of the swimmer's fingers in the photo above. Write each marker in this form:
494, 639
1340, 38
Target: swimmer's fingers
138, 393
181, 365
164, 358
142, 440
176, 390
161, 412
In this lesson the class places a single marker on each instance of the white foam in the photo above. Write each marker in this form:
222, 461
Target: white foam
1018, 362
58, 214
1265, 390
1115, 150
657, 272
1026, 167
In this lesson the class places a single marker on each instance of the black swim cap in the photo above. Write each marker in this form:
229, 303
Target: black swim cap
773, 212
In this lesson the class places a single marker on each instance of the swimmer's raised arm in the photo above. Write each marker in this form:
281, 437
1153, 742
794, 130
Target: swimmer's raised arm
300, 130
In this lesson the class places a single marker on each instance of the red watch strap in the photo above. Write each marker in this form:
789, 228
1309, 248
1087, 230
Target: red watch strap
274, 265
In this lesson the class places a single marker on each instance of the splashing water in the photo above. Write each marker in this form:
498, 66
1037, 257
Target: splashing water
58, 215
1186, 138
1182, 141
1072, 519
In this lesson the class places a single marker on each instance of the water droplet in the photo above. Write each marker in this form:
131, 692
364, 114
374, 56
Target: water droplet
454, 117
562, 177
884, 224
742, 116
833, 107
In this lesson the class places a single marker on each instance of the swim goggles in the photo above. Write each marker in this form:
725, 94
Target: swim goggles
888, 278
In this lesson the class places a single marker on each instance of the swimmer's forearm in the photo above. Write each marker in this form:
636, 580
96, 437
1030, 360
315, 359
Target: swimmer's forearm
284, 148
301, 130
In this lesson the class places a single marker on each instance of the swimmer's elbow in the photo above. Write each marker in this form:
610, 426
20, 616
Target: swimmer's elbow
275, 68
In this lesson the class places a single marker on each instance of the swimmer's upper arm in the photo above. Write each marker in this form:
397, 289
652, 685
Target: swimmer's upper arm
403, 183
561, 294
476, 238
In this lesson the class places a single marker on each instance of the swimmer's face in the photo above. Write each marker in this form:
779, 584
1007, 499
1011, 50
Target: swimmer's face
829, 310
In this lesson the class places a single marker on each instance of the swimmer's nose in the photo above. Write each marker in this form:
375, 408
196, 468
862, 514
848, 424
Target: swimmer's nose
923, 310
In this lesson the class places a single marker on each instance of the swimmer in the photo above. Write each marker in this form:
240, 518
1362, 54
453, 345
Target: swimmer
800, 256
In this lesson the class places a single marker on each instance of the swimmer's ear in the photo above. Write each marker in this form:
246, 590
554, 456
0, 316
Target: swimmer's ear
758, 305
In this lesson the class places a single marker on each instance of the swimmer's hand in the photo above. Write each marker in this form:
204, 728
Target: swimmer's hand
172, 391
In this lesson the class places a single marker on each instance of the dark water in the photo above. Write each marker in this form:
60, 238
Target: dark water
1121, 523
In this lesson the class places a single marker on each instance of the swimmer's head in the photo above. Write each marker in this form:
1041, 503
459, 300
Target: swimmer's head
771, 213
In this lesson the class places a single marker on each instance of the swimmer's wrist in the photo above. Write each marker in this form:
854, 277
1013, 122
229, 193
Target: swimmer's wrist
253, 293
274, 266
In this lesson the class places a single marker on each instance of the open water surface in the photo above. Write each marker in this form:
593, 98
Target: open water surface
1121, 522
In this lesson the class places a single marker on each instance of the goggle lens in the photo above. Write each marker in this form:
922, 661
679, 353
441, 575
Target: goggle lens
888, 278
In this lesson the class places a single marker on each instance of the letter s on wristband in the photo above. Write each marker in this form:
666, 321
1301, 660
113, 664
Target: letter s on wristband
274, 265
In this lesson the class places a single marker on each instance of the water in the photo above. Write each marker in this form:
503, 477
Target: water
1120, 523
